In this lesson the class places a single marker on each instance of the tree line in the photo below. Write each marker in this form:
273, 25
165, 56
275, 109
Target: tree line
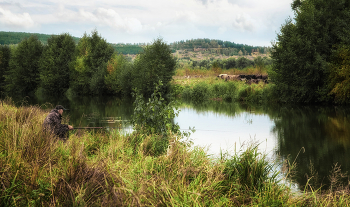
8, 38
224, 46
91, 67
231, 62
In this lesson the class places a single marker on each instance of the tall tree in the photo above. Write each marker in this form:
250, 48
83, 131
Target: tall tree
304, 48
5, 54
23, 75
154, 64
90, 64
55, 64
118, 75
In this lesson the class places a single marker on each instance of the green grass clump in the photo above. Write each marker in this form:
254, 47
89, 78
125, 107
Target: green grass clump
213, 88
98, 168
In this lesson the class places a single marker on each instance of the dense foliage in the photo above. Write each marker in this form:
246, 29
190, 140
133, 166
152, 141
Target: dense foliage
118, 78
339, 78
5, 54
154, 64
90, 65
155, 116
304, 49
23, 76
55, 63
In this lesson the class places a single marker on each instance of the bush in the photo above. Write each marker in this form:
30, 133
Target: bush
155, 118
200, 92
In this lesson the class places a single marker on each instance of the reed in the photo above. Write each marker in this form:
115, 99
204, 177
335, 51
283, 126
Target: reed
111, 169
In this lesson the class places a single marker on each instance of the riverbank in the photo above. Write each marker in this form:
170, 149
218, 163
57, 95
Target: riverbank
108, 168
204, 88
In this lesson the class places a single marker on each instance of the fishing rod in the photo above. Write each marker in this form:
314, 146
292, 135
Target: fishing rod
93, 127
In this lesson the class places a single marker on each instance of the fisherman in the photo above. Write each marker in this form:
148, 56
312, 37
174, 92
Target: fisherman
53, 124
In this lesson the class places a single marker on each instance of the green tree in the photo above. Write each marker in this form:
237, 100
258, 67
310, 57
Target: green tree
154, 64
230, 63
118, 76
303, 49
55, 64
5, 54
90, 65
23, 76
339, 78
243, 62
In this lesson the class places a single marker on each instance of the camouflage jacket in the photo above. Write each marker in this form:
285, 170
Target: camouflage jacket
53, 123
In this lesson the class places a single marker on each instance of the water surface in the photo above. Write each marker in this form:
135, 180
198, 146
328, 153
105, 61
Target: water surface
316, 138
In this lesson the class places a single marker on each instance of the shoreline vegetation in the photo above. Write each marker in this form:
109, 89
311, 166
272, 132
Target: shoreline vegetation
94, 168
197, 86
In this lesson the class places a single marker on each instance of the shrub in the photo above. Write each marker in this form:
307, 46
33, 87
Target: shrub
155, 118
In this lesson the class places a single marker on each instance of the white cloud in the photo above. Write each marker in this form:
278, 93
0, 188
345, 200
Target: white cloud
16, 20
137, 20
109, 17
240, 22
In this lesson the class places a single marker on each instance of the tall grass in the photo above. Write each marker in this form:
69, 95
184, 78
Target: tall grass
213, 88
188, 71
98, 168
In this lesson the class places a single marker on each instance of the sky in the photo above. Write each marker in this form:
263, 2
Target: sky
251, 22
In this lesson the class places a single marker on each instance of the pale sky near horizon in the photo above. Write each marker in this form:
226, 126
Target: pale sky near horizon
251, 22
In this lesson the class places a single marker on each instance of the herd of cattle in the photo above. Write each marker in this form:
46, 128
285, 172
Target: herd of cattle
249, 79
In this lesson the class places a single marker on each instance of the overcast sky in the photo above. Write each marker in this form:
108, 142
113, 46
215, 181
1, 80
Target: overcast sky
252, 22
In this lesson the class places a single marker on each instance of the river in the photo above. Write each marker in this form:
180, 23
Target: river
316, 138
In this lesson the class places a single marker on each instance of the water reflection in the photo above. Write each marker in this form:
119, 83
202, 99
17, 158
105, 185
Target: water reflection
317, 138
87, 111
322, 132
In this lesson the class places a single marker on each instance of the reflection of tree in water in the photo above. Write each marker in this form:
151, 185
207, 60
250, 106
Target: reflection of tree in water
325, 135
89, 111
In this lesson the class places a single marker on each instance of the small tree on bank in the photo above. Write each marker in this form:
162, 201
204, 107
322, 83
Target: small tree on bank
156, 63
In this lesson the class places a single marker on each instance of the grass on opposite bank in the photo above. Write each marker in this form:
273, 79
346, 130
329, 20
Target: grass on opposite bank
188, 71
214, 88
111, 169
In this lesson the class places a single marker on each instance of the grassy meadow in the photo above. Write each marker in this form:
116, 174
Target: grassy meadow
95, 168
